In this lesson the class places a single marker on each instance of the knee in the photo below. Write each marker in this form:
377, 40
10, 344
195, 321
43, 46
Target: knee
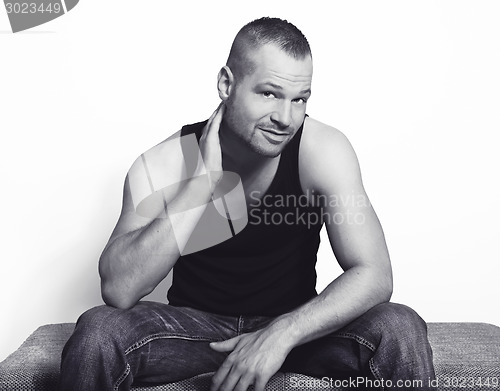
95, 328
399, 317
400, 325
98, 319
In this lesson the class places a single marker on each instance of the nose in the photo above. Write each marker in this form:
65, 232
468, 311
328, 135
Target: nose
282, 115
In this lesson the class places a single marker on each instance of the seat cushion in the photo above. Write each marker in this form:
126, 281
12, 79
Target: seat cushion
466, 355
463, 352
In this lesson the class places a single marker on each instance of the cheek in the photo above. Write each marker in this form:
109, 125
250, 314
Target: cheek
233, 113
301, 113
298, 118
246, 109
259, 110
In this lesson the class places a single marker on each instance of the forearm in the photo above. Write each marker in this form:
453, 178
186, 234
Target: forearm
349, 296
130, 268
134, 263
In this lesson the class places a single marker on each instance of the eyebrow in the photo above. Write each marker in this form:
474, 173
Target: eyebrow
278, 87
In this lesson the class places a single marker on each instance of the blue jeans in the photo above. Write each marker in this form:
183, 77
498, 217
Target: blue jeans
158, 343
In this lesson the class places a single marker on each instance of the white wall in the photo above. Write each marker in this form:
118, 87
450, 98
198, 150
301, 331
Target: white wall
414, 85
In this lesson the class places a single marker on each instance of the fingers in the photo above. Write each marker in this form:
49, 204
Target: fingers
228, 377
225, 377
215, 120
260, 383
225, 346
252, 360
210, 147
231, 377
216, 113
219, 113
221, 375
243, 383
238, 371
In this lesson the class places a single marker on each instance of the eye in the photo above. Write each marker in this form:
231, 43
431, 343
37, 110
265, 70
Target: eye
300, 100
268, 94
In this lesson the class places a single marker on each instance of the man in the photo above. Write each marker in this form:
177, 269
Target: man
245, 306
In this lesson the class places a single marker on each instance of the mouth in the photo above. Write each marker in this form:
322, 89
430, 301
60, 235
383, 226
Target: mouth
273, 136
275, 132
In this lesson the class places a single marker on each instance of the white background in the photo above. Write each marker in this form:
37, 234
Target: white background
414, 85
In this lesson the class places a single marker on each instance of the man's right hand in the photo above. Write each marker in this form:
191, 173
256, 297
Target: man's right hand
210, 146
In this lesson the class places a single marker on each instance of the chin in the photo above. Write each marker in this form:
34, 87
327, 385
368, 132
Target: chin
267, 151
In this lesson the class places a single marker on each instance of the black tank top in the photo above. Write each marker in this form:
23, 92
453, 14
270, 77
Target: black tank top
269, 267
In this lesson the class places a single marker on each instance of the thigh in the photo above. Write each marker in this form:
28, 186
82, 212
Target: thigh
348, 351
159, 342
179, 347
339, 355
146, 321
334, 356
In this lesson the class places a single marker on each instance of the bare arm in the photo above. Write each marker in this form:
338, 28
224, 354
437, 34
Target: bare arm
142, 251
356, 237
328, 165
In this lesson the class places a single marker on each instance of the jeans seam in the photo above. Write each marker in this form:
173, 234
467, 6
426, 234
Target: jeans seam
359, 340
240, 325
370, 346
154, 337
122, 377
375, 372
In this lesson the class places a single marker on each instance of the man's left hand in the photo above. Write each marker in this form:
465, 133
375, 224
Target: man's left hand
254, 358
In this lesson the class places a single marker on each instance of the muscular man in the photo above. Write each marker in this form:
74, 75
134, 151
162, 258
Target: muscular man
244, 305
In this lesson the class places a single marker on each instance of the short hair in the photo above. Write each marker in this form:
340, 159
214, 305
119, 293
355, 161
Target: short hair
261, 32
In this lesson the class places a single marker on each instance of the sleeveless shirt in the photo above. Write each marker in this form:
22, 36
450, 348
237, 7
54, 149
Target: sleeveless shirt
269, 267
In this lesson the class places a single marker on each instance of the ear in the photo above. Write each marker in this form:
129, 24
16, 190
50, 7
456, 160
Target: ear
225, 82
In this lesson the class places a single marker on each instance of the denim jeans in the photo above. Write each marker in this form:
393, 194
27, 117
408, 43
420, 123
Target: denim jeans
111, 349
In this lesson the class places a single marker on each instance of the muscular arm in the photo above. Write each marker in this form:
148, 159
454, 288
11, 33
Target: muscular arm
142, 251
328, 166
355, 234
134, 262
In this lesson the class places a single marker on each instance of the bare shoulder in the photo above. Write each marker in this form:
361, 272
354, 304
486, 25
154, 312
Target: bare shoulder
319, 136
162, 148
173, 136
326, 157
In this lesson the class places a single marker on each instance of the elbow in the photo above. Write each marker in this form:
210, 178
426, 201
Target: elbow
387, 287
114, 293
116, 298
388, 292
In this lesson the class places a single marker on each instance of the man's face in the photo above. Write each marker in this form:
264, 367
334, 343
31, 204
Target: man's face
267, 107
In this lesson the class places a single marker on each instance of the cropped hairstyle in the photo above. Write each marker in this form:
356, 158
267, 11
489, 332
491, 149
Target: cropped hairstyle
261, 32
